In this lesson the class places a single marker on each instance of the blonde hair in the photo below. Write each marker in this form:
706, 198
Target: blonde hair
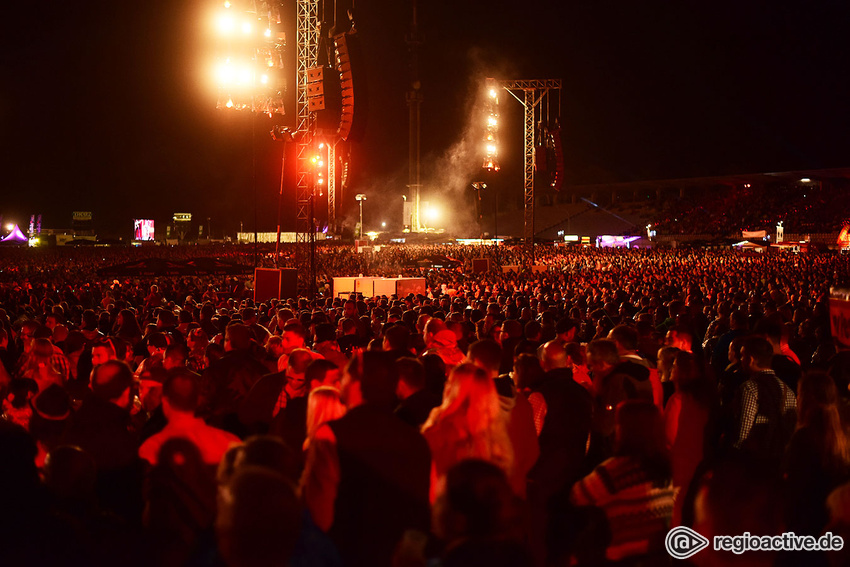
39, 363
471, 404
324, 404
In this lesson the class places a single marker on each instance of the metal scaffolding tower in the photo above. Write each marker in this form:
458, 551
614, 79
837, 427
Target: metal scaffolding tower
307, 37
535, 92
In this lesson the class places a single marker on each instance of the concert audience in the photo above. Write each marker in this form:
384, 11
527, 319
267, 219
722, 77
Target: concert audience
524, 404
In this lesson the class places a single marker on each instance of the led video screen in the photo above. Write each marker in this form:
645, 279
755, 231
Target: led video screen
143, 229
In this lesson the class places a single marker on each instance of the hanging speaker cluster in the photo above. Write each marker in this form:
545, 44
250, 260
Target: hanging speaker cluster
352, 86
558, 174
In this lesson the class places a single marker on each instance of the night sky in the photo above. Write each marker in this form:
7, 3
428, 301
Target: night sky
102, 106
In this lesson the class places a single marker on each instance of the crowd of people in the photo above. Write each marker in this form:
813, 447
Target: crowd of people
570, 416
808, 209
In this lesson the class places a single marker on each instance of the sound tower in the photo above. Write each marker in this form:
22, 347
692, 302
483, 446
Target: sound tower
558, 177
323, 98
352, 120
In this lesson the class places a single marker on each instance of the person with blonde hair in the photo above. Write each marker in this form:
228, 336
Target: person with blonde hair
324, 404
468, 424
39, 365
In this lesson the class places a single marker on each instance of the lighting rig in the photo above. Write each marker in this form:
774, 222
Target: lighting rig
249, 70
535, 99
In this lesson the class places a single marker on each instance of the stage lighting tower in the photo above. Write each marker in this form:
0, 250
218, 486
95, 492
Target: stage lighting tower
491, 131
249, 65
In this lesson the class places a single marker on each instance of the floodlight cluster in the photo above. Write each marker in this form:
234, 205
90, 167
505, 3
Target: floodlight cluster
249, 63
319, 161
491, 145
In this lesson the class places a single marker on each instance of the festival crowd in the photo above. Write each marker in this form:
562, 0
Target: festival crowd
565, 417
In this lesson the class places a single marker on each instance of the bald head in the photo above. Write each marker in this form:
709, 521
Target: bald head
553, 356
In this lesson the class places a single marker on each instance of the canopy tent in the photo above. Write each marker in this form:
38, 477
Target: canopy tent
14, 237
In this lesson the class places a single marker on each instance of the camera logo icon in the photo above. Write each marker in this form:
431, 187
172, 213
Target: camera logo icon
683, 542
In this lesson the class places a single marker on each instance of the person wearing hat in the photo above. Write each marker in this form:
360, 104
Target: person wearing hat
444, 345
51, 410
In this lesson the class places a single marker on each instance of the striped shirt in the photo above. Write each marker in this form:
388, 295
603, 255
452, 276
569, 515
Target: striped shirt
637, 510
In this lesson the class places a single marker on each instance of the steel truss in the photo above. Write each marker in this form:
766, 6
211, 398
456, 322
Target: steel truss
307, 37
534, 93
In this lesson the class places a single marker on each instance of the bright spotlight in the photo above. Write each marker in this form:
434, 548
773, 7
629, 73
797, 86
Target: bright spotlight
227, 3
229, 103
432, 214
492, 121
264, 79
493, 93
245, 75
246, 27
10, 226
225, 24
268, 32
321, 145
321, 181
224, 74
383, 225
805, 180
491, 149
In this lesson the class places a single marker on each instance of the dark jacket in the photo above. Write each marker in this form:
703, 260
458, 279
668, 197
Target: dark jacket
627, 381
383, 490
225, 384
417, 407
563, 438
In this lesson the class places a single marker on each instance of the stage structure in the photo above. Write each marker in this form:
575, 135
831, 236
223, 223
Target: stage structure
249, 69
307, 38
251, 76
536, 94
328, 58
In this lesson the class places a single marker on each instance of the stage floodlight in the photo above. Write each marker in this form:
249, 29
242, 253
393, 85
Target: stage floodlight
239, 73
225, 24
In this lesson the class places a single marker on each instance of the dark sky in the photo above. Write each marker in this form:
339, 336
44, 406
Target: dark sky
102, 107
